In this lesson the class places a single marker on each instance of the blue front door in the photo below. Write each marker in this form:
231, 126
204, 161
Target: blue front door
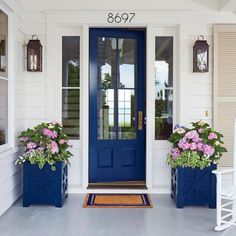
117, 105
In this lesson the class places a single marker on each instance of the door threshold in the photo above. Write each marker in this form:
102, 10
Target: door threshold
118, 185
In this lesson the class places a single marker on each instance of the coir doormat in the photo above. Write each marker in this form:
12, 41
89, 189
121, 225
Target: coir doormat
118, 201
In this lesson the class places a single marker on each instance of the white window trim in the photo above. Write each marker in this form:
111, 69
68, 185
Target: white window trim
55, 23
67, 31
11, 85
169, 32
151, 143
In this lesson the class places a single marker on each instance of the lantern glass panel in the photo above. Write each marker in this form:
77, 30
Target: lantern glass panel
33, 60
34, 56
201, 55
202, 59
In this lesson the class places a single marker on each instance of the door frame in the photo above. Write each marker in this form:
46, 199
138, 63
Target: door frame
55, 30
150, 110
123, 32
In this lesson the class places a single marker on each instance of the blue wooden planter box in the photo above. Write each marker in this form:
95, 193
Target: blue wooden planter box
44, 186
193, 186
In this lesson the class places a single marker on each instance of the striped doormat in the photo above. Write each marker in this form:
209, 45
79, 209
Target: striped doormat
118, 201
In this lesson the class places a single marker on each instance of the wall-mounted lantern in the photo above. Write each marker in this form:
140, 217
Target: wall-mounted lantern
3, 55
34, 55
201, 55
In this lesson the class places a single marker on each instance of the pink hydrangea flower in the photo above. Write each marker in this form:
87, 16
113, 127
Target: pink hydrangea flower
24, 139
62, 141
54, 147
200, 147
193, 146
208, 150
175, 153
49, 133
197, 140
54, 134
212, 136
184, 144
31, 145
46, 131
193, 134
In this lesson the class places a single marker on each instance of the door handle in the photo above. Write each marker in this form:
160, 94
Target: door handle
140, 120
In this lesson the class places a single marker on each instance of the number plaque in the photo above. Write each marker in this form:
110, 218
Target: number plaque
123, 17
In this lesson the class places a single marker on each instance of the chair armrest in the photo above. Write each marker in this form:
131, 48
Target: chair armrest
219, 172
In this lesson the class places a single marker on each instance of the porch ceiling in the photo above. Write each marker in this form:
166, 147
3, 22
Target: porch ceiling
159, 5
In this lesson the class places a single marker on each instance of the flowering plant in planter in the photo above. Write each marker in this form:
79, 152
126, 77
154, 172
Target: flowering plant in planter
199, 147
44, 143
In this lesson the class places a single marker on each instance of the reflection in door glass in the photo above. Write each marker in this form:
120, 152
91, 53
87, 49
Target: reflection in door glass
106, 114
116, 88
107, 62
126, 114
163, 87
127, 62
107, 57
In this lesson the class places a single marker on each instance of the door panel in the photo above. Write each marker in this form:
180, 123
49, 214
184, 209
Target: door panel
117, 96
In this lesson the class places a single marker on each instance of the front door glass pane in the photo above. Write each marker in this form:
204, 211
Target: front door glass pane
126, 114
105, 104
107, 62
127, 62
116, 88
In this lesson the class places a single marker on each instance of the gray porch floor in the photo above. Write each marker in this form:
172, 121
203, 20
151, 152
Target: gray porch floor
163, 220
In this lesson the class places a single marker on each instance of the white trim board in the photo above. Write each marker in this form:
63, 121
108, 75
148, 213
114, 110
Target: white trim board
55, 29
10, 75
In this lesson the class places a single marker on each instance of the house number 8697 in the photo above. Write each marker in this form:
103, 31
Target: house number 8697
120, 17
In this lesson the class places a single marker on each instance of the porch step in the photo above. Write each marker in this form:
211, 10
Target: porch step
119, 185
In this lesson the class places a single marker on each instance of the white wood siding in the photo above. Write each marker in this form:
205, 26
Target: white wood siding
193, 101
10, 180
36, 93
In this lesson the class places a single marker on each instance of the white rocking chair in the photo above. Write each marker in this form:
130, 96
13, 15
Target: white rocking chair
226, 197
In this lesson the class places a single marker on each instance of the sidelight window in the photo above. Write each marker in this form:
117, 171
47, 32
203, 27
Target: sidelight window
163, 87
3, 78
71, 86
